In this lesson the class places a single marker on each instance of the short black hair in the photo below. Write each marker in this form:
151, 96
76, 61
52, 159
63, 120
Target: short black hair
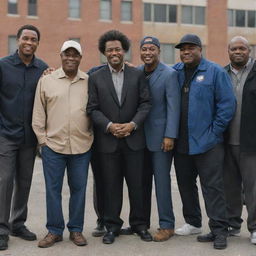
29, 27
113, 35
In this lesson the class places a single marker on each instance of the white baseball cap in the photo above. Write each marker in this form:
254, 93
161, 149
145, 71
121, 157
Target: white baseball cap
71, 44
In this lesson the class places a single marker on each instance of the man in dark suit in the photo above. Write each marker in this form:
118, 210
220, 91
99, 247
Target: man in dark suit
118, 105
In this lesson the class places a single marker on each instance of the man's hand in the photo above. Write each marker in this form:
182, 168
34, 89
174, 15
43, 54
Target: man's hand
121, 130
167, 144
48, 71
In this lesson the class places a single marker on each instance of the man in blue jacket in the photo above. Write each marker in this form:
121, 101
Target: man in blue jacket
207, 106
161, 129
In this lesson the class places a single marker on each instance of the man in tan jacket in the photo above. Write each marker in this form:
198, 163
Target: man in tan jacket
64, 132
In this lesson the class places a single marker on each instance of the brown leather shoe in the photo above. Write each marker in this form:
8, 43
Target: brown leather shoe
77, 238
163, 235
49, 240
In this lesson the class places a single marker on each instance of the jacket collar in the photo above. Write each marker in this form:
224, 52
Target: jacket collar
17, 60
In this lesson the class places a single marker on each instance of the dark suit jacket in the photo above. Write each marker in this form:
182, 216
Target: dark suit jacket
104, 107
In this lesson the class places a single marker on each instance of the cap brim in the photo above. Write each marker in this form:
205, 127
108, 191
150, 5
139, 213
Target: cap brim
178, 46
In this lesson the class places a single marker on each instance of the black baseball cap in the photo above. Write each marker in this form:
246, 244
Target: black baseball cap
150, 40
189, 39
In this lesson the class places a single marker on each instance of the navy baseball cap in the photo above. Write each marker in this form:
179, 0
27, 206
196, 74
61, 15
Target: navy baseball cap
189, 39
150, 40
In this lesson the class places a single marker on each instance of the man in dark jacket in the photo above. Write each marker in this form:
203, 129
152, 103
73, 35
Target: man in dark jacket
207, 106
240, 158
118, 105
19, 74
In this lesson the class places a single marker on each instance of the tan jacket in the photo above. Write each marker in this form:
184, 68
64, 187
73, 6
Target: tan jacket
59, 118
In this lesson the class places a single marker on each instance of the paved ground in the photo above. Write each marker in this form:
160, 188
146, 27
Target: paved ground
124, 245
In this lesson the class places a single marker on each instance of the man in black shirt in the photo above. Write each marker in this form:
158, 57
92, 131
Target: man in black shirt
19, 74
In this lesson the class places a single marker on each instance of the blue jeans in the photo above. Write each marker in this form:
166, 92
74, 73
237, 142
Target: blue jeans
161, 163
54, 165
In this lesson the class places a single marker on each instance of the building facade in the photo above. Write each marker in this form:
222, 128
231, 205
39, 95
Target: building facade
215, 21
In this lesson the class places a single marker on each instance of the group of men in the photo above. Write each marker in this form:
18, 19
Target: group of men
130, 122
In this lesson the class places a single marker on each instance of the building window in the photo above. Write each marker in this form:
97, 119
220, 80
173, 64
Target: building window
253, 51
167, 54
126, 10
32, 7
231, 18
74, 9
187, 15
13, 6
172, 13
251, 19
160, 13
12, 44
147, 12
106, 9
193, 15
240, 18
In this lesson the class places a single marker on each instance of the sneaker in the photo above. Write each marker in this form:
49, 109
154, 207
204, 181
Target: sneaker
253, 237
188, 229
233, 231
77, 238
4, 242
49, 240
220, 242
24, 233
163, 235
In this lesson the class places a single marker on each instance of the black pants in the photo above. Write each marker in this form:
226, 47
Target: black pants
209, 167
240, 175
16, 170
128, 164
98, 190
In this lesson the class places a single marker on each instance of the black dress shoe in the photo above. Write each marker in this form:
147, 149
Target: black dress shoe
144, 235
126, 231
99, 230
210, 237
109, 237
4, 242
220, 242
24, 233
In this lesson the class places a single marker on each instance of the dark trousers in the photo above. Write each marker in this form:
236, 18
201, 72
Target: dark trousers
128, 164
16, 170
54, 165
239, 177
209, 167
98, 189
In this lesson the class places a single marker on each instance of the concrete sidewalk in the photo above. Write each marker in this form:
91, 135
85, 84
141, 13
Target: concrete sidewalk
124, 245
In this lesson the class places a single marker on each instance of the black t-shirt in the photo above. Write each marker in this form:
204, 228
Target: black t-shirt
182, 143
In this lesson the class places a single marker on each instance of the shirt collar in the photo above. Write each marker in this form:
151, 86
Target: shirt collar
17, 60
80, 75
236, 71
112, 70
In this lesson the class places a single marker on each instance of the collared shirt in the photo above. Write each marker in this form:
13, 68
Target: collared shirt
238, 78
118, 80
59, 115
17, 89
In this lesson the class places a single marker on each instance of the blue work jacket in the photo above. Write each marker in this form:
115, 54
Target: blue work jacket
211, 105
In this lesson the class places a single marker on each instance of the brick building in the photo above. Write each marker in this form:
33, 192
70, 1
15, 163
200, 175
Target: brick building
215, 21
